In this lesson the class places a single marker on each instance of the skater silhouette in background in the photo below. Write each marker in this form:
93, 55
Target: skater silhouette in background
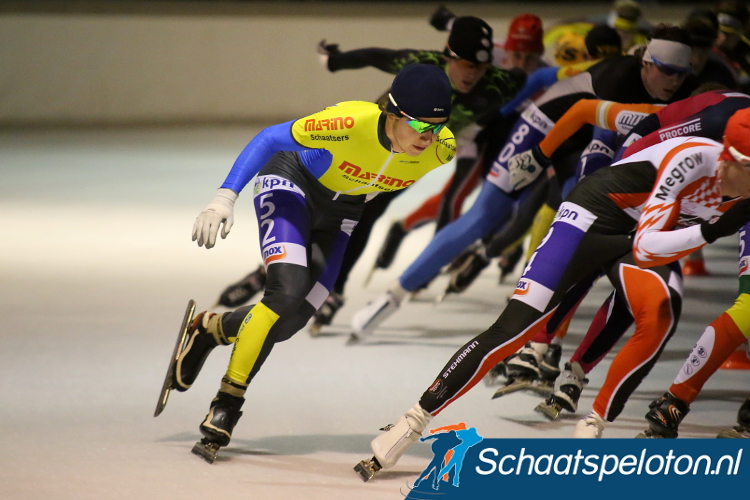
469, 438
444, 441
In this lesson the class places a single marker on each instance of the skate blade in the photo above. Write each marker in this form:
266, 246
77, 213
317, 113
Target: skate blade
551, 411
166, 387
369, 276
543, 389
354, 339
732, 434
649, 434
367, 468
315, 329
207, 451
512, 387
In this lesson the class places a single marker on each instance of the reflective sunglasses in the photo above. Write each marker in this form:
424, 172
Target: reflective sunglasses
418, 125
668, 69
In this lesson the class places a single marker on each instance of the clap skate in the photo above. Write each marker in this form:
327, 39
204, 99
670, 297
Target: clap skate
568, 390
535, 386
742, 429
327, 311
664, 417
207, 450
515, 385
217, 427
388, 447
456, 263
465, 275
241, 292
367, 319
367, 468
523, 372
737, 432
493, 376
167, 386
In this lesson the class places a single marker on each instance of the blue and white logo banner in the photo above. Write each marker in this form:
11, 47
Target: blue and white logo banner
467, 466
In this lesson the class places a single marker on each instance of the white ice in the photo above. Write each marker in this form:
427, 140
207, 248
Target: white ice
95, 270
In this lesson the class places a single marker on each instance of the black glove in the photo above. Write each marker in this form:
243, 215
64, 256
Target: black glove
440, 18
729, 223
327, 49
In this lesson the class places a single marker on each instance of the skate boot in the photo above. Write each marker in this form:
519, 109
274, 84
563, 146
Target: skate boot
391, 445
742, 429
241, 292
367, 319
497, 371
169, 379
327, 311
664, 417
456, 263
549, 368
568, 390
526, 362
508, 263
218, 425
204, 333
522, 371
590, 427
467, 273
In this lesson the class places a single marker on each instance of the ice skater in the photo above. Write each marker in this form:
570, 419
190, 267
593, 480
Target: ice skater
632, 221
314, 176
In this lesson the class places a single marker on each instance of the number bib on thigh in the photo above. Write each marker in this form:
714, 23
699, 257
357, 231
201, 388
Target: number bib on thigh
529, 130
598, 153
551, 259
283, 222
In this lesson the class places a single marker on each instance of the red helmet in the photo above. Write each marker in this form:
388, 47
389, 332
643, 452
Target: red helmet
525, 34
737, 137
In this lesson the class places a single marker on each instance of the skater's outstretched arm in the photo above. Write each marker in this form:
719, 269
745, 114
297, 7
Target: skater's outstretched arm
257, 153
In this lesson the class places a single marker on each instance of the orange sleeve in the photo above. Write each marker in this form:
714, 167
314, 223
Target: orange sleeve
604, 114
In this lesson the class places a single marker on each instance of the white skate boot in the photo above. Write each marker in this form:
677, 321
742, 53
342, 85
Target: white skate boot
522, 371
389, 446
590, 427
526, 363
367, 319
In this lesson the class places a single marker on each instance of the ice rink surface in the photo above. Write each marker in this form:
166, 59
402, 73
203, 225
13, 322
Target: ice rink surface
97, 266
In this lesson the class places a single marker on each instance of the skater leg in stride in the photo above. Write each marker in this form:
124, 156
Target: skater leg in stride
307, 207
720, 339
592, 232
244, 290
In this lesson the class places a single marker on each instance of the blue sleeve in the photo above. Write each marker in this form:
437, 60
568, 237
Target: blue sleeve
538, 80
256, 154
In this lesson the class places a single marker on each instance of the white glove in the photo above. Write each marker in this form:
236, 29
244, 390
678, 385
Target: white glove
221, 209
525, 167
